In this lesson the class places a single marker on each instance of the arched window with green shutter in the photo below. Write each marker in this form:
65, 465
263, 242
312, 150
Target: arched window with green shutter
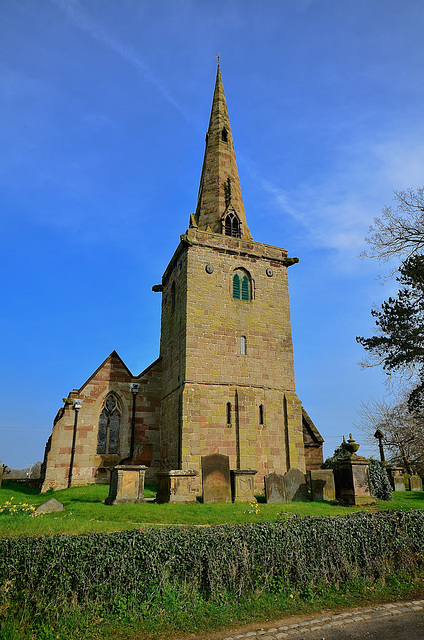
242, 288
236, 287
245, 294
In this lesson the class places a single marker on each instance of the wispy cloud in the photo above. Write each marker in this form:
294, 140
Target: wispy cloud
81, 20
336, 212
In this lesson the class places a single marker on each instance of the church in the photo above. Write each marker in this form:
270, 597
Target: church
224, 379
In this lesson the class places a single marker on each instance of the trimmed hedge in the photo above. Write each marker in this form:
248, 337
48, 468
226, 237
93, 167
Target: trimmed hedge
298, 553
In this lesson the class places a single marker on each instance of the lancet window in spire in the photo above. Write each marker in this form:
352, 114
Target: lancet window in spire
224, 135
232, 225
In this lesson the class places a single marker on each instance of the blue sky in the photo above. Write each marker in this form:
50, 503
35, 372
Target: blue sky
104, 105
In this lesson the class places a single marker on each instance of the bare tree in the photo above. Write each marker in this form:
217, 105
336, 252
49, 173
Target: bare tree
403, 432
400, 230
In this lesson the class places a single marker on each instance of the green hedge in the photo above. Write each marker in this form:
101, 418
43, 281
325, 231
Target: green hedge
298, 553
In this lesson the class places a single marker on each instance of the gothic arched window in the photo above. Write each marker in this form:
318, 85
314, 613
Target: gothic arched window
109, 422
241, 286
224, 135
232, 225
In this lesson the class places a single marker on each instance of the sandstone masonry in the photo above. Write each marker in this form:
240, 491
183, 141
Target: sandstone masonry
224, 381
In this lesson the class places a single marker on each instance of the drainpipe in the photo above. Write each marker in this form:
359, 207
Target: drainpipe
77, 407
134, 388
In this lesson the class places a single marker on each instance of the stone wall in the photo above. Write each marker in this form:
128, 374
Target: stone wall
112, 377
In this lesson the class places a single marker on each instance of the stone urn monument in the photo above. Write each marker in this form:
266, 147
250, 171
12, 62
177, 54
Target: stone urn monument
353, 478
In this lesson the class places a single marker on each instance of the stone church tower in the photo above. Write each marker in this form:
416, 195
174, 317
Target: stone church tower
224, 380
226, 346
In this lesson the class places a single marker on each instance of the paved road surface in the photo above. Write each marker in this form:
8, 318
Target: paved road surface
393, 621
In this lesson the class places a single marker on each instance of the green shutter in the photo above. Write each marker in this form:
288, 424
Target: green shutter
236, 287
245, 288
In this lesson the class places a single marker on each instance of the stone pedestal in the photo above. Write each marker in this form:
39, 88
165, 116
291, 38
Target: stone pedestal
322, 484
396, 477
354, 481
242, 485
126, 484
176, 486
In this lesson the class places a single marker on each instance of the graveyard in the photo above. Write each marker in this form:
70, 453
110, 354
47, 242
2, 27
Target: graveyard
85, 510
140, 560
162, 570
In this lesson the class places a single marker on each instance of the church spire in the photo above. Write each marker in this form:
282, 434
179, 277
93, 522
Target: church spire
220, 205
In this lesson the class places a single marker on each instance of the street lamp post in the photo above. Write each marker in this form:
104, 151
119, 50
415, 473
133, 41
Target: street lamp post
134, 388
77, 407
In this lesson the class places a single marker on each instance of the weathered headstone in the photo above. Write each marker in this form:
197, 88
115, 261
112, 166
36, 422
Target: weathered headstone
176, 486
393, 472
322, 484
274, 488
50, 506
126, 484
216, 478
295, 486
242, 485
353, 481
415, 483
399, 483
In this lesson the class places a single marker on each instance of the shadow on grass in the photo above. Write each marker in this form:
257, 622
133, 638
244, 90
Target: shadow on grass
19, 487
409, 495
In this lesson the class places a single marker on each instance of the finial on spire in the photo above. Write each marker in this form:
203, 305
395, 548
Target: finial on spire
217, 56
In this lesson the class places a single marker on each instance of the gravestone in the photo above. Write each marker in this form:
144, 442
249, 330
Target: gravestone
415, 483
50, 506
126, 484
353, 481
176, 486
274, 488
399, 483
393, 472
295, 486
242, 485
322, 484
216, 485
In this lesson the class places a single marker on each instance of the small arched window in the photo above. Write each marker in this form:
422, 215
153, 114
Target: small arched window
243, 345
241, 286
109, 422
232, 225
261, 414
224, 135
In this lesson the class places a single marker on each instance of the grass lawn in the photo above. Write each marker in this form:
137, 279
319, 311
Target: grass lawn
177, 612
86, 512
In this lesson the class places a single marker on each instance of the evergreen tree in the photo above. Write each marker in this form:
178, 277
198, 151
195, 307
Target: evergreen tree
398, 345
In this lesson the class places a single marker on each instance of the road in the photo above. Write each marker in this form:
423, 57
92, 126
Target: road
393, 621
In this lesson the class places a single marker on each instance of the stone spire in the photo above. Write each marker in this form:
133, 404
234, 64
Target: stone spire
219, 204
